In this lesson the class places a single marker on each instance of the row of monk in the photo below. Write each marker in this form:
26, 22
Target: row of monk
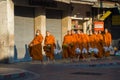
75, 45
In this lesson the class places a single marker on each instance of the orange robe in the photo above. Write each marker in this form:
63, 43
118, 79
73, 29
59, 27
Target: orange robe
79, 41
107, 39
49, 40
66, 49
91, 41
36, 49
79, 44
74, 42
100, 45
107, 42
85, 40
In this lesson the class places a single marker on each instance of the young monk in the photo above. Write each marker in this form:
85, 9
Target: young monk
91, 40
96, 42
100, 44
74, 42
65, 46
85, 40
79, 44
36, 47
91, 43
79, 39
107, 41
49, 47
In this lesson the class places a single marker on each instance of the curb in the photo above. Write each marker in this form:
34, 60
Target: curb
11, 76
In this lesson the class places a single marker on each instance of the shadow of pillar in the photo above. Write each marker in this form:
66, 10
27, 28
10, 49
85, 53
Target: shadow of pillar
15, 55
27, 56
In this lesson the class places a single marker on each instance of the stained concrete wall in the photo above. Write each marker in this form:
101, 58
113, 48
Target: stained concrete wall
40, 20
6, 30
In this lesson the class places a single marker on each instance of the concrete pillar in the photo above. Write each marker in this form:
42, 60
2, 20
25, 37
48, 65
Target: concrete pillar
6, 30
90, 24
40, 20
84, 27
66, 22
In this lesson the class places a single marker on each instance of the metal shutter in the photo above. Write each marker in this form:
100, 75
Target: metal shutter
24, 28
53, 23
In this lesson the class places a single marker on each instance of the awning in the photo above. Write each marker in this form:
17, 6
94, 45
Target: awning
105, 15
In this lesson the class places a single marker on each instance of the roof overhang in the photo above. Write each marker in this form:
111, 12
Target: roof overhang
105, 4
63, 1
88, 2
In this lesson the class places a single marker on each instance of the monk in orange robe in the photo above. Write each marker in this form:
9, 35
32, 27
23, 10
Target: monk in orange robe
74, 42
65, 46
91, 42
49, 47
36, 47
100, 44
96, 42
79, 39
107, 41
79, 44
107, 38
85, 41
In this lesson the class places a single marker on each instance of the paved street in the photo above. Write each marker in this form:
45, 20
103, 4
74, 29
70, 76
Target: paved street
104, 69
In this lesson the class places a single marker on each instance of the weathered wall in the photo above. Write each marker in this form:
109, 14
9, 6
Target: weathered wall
6, 30
66, 21
40, 20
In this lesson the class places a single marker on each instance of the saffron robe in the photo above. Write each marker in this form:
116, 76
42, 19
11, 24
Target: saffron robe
36, 48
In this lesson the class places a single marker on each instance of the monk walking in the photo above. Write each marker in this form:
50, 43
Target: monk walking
91, 43
79, 44
85, 41
107, 41
65, 46
74, 42
49, 46
36, 47
96, 42
100, 44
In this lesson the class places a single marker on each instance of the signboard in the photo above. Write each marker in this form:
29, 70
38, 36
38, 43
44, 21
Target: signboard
99, 26
105, 15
